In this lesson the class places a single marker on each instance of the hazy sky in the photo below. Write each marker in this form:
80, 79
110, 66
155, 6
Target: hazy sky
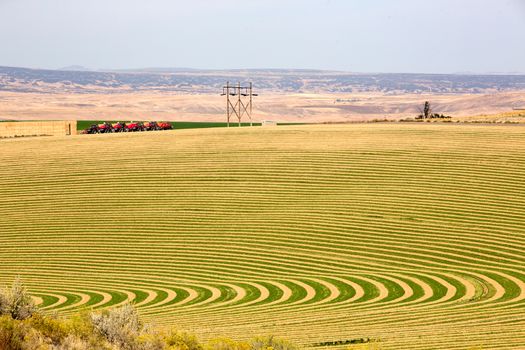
433, 36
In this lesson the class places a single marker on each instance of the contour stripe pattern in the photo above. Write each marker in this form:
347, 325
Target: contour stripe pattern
411, 234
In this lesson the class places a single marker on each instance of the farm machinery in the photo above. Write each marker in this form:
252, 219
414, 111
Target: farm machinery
118, 127
150, 126
164, 126
105, 127
93, 129
133, 126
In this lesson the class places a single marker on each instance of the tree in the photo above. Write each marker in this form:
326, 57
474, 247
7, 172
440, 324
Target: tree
426, 113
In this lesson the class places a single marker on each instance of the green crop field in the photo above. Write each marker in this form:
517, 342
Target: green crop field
413, 235
84, 124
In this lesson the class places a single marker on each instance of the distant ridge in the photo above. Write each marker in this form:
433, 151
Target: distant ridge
185, 69
189, 80
152, 70
75, 68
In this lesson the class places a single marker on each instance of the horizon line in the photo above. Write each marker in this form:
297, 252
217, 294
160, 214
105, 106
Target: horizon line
80, 68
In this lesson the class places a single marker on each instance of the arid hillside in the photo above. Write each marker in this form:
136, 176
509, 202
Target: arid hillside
284, 95
267, 106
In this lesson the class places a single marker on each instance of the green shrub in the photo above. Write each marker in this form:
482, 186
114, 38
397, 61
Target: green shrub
150, 341
270, 342
227, 344
4, 308
54, 330
19, 335
11, 334
182, 341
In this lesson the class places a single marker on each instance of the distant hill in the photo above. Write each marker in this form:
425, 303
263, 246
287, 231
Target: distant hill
185, 80
75, 68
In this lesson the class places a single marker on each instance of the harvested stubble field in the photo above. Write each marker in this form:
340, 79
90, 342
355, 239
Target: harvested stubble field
410, 234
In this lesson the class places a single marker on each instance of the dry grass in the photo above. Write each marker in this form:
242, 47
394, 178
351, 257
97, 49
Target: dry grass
505, 117
309, 108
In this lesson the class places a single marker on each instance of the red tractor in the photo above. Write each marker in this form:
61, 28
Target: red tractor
93, 129
104, 128
126, 127
132, 126
150, 126
118, 127
164, 126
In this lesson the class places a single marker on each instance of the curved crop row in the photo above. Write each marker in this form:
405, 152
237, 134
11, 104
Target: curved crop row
411, 234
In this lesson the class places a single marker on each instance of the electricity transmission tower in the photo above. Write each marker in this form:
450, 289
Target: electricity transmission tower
238, 101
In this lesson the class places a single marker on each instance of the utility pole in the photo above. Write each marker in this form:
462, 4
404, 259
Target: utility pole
239, 103
251, 95
228, 102
243, 103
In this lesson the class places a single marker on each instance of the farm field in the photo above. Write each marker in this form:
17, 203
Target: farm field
84, 124
409, 234
280, 107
